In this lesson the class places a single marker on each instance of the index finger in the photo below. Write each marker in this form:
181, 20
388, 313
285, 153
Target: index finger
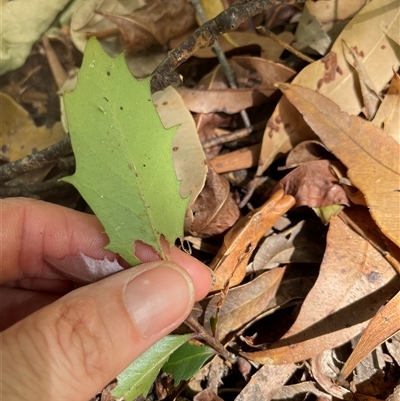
31, 229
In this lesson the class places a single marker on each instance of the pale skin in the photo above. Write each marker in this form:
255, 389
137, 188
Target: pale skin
66, 343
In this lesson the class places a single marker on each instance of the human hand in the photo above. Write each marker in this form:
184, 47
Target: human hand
59, 344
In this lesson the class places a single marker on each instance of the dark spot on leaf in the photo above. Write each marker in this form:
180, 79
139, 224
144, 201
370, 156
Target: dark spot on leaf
108, 73
106, 99
4, 148
383, 47
164, 103
121, 108
175, 148
144, 165
372, 277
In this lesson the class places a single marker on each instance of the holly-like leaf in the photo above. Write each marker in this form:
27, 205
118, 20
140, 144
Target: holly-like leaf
187, 360
124, 165
138, 377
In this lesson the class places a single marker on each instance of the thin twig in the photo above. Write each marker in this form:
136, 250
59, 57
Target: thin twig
229, 73
46, 156
266, 32
205, 36
231, 136
209, 339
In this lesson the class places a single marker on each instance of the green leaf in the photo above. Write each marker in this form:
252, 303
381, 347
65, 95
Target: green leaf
125, 170
138, 377
187, 360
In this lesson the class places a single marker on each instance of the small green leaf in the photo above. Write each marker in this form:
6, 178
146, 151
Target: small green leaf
187, 360
124, 165
138, 377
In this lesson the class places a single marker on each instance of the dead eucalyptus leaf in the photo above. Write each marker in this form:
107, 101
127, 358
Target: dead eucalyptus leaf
382, 326
242, 304
371, 156
355, 280
241, 240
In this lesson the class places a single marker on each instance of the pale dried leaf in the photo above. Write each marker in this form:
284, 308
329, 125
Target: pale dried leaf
388, 114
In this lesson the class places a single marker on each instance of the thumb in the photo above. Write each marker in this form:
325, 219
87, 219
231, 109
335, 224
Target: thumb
71, 349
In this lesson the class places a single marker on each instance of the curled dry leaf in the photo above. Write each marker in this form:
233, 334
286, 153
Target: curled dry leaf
230, 263
314, 185
242, 304
306, 151
355, 280
333, 77
382, 326
214, 210
151, 25
371, 156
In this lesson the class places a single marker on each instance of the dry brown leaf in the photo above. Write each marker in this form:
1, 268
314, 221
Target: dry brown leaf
388, 114
334, 77
370, 97
242, 304
86, 20
295, 391
228, 100
303, 243
314, 185
266, 383
306, 151
255, 77
382, 326
354, 281
214, 210
207, 395
239, 243
269, 72
151, 25
371, 156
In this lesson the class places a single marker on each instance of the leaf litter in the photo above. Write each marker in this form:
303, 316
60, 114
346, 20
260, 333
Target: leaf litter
306, 308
